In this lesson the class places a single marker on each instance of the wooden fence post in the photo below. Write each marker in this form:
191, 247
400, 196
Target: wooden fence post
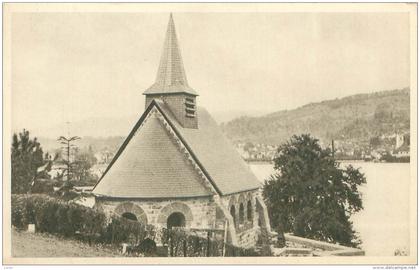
208, 244
224, 238
171, 247
112, 232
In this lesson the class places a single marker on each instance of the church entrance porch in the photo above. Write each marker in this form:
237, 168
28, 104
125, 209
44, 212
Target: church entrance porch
177, 214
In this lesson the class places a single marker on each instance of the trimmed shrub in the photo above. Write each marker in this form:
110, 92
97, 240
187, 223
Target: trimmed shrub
68, 219
43, 186
19, 217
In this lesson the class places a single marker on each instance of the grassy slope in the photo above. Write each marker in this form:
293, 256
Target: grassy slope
26, 244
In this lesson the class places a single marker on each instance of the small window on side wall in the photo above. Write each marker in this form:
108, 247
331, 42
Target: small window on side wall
249, 211
233, 214
241, 213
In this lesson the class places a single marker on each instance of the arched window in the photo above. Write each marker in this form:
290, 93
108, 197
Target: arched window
241, 213
176, 219
129, 216
233, 214
249, 211
131, 211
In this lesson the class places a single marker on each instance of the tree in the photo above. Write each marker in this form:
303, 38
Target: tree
310, 195
68, 146
383, 112
28, 162
83, 162
375, 142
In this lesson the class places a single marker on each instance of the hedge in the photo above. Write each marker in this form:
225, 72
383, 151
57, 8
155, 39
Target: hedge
59, 217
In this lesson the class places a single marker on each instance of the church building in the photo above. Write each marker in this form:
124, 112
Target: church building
177, 169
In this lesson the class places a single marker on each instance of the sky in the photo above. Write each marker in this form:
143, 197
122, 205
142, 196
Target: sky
80, 66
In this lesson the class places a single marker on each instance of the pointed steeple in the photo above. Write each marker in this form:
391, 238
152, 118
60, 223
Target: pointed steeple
171, 76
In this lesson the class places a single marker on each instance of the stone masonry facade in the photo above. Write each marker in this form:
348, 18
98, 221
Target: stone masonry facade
199, 213
245, 216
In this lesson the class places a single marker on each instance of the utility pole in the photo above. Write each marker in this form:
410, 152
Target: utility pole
332, 148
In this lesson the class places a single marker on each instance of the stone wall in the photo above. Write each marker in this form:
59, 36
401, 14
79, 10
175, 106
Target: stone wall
198, 212
246, 227
246, 199
248, 238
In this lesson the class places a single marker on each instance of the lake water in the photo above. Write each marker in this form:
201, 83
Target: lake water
383, 224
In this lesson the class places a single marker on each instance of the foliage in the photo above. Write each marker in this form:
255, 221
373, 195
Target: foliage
375, 142
66, 192
310, 195
357, 118
76, 169
80, 167
55, 216
27, 162
68, 219
43, 186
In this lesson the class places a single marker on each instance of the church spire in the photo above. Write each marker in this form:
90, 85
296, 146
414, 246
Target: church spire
171, 76
171, 84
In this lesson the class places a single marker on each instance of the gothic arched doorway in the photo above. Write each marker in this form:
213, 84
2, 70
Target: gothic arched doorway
176, 219
129, 216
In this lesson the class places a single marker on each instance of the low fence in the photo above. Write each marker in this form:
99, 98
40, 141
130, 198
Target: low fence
183, 243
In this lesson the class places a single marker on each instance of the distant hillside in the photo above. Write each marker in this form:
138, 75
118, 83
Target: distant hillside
357, 118
111, 143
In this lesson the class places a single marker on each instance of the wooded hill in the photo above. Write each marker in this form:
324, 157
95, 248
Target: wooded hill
353, 118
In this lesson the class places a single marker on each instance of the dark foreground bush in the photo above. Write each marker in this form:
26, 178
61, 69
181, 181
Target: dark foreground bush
59, 217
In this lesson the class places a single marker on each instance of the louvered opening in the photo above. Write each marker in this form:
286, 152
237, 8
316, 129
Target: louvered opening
189, 107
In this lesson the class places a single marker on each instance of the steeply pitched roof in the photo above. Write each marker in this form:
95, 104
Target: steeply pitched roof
216, 155
149, 164
171, 76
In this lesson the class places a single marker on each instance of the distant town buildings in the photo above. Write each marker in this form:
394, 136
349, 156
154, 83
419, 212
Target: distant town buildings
104, 156
402, 146
256, 152
393, 147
